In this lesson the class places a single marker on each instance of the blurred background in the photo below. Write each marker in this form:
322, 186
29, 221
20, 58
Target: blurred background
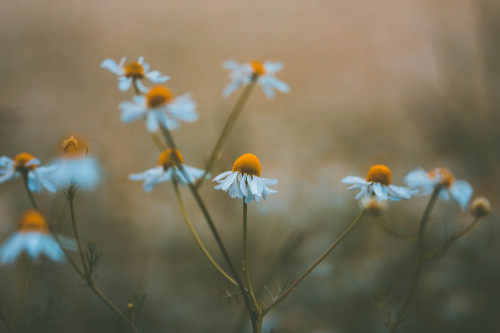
404, 83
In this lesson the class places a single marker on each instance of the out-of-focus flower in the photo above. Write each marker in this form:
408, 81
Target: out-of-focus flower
32, 237
480, 207
134, 71
75, 167
167, 170
425, 182
378, 183
25, 163
159, 107
263, 73
373, 206
244, 180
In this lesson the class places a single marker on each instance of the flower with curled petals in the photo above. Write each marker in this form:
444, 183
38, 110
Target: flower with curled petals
244, 181
425, 183
33, 238
378, 183
133, 72
159, 107
167, 169
25, 163
262, 72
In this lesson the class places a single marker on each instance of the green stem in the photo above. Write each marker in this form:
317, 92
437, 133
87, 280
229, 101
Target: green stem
158, 142
196, 195
231, 120
77, 238
316, 263
28, 191
420, 260
197, 238
245, 259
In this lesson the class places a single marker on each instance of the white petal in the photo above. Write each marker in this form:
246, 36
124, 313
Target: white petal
124, 83
222, 175
229, 181
112, 66
12, 247
151, 122
461, 191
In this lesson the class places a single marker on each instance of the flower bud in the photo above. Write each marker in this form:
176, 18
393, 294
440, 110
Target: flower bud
480, 207
373, 206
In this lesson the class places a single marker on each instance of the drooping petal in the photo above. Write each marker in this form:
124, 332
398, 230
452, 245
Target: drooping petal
461, 191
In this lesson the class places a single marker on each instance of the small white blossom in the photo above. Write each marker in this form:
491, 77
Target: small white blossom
425, 183
244, 181
33, 238
159, 108
167, 171
378, 183
38, 176
243, 74
136, 70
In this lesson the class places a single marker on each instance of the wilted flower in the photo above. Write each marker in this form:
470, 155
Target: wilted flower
378, 183
263, 73
425, 183
134, 71
167, 170
32, 237
25, 163
159, 107
244, 180
75, 167
480, 207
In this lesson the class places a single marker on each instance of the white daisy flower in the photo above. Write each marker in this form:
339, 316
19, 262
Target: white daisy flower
378, 183
159, 107
244, 180
33, 238
25, 163
134, 71
167, 170
263, 73
75, 167
425, 183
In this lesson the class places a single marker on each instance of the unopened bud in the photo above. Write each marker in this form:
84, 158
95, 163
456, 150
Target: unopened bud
480, 207
373, 206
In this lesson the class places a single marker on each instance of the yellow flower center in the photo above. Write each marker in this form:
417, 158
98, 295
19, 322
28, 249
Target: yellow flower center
379, 174
32, 221
134, 70
72, 147
158, 96
247, 163
445, 179
21, 160
257, 67
169, 158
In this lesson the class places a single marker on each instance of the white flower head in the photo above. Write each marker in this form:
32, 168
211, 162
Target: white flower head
167, 169
33, 238
159, 108
134, 71
75, 167
378, 183
244, 180
262, 72
425, 183
25, 163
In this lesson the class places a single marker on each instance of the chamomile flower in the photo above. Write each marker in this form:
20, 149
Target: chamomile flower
25, 163
378, 183
134, 71
159, 107
425, 182
262, 72
167, 170
75, 167
33, 238
244, 180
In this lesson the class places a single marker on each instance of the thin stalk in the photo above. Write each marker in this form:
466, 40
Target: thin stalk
316, 263
28, 191
136, 87
254, 316
420, 260
158, 142
77, 238
231, 120
245, 259
436, 252
83, 274
197, 238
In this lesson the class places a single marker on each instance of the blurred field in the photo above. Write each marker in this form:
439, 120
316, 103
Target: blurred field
404, 83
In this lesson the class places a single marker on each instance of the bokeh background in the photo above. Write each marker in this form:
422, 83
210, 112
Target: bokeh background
404, 83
